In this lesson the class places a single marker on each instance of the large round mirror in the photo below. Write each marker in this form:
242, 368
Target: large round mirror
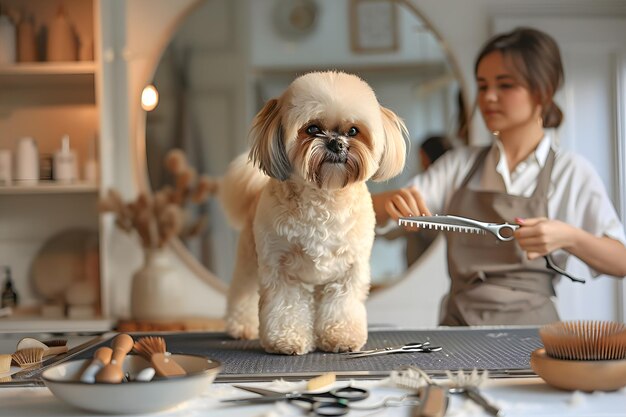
228, 57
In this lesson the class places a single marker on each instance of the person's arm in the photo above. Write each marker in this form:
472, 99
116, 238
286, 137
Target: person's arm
429, 189
540, 236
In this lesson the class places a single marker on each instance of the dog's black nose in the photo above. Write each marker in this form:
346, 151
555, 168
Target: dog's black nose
336, 145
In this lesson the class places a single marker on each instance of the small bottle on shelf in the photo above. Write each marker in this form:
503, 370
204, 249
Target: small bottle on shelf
9, 296
65, 164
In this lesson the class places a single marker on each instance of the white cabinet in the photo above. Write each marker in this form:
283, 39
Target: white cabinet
46, 100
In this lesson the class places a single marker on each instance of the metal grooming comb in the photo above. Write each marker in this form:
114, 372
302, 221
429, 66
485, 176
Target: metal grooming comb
503, 231
461, 224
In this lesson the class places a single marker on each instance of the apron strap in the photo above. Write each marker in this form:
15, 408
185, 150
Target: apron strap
477, 163
543, 181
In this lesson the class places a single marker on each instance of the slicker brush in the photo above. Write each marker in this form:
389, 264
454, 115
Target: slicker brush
585, 340
582, 355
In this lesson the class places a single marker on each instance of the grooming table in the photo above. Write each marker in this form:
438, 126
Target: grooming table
503, 351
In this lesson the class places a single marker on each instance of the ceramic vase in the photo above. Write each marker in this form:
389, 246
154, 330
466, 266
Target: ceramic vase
156, 293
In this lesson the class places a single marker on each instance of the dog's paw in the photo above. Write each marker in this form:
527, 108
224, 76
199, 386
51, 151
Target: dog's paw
342, 337
288, 346
239, 330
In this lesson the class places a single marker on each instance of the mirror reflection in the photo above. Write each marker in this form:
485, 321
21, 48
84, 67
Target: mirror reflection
228, 57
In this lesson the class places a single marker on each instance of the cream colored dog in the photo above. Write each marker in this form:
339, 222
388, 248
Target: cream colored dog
308, 224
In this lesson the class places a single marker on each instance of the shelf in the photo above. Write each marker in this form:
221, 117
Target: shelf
50, 187
44, 73
40, 324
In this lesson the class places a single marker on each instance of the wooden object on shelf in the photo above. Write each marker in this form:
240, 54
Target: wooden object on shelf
61, 39
190, 324
26, 41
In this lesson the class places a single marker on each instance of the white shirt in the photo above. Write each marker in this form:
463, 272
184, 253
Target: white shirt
576, 195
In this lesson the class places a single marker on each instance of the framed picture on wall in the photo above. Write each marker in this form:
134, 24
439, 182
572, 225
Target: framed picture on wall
373, 26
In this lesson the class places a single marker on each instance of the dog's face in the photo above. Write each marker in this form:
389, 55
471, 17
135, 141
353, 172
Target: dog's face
328, 129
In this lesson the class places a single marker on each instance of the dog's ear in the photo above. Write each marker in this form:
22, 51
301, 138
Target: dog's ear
268, 148
394, 151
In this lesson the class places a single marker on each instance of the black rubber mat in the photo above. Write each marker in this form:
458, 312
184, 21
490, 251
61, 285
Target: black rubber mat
503, 351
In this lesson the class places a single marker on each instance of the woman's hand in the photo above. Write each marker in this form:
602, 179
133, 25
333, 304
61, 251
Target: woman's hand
539, 236
399, 203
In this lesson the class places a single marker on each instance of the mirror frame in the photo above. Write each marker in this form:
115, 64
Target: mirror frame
141, 167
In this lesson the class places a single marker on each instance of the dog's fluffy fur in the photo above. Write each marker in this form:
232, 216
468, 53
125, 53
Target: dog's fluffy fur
306, 216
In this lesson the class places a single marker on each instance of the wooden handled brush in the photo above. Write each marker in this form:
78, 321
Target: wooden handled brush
112, 372
153, 349
101, 358
53, 347
582, 355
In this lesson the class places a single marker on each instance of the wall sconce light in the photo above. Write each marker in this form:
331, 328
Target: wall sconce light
149, 98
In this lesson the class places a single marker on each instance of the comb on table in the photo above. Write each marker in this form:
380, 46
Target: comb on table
503, 231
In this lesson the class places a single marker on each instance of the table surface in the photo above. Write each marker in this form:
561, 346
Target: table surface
515, 397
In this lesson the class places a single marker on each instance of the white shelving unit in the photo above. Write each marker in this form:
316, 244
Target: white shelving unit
46, 100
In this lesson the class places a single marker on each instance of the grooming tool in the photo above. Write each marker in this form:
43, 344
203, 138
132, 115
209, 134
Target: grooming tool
101, 358
25, 358
467, 384
112, 372
28, 376
5, 363
322, 381
56, 346
409, 347
433, 401
335, 402
433, 397
585, 340
50, 348
153, 349
503, 231
582, 355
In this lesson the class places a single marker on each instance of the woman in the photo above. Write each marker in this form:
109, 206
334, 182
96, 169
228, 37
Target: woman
556, 197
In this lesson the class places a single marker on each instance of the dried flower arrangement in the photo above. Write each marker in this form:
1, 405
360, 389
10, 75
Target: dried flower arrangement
158, 218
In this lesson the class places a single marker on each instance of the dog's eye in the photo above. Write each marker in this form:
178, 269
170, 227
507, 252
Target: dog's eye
313, 130
353, 131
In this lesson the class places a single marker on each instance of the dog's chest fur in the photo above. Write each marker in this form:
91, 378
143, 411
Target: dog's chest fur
313, 235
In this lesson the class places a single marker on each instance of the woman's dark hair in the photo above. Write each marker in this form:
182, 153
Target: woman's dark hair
535, 58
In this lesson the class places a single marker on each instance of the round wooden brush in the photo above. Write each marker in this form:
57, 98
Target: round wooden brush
582, 355
585, 340
153, 349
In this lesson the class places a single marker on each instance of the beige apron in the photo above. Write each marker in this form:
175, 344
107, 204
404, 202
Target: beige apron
492, 282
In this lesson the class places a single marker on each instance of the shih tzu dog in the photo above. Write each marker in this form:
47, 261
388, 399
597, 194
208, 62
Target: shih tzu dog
306, 216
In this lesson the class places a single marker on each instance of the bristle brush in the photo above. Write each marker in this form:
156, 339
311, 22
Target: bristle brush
28, 357
582, 355
153, 349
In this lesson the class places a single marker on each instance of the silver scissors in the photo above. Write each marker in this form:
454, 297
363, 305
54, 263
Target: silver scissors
334, 402
503, 231
409, 347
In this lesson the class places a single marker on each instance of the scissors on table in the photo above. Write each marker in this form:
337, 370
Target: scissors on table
409, 347
334, 402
